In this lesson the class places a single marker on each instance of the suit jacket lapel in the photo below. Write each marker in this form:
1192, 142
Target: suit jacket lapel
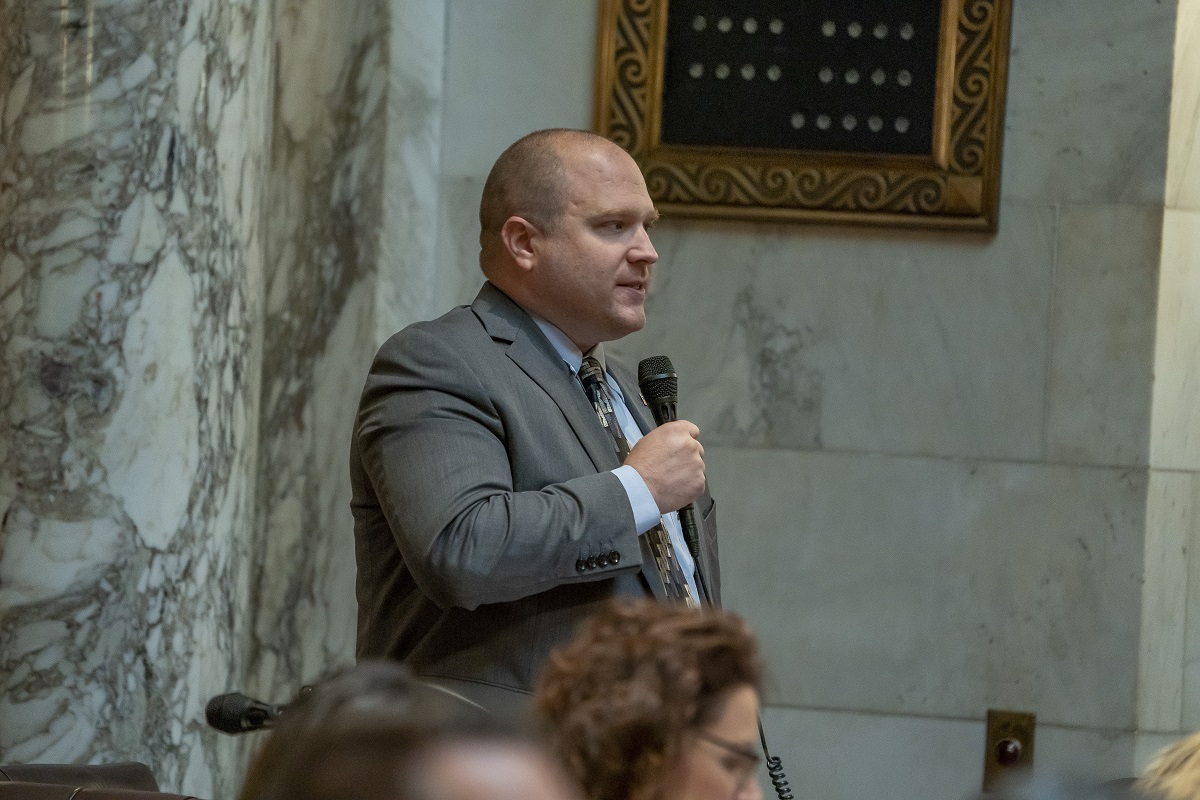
505, 321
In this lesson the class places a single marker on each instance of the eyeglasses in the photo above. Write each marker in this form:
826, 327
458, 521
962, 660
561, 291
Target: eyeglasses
739, 761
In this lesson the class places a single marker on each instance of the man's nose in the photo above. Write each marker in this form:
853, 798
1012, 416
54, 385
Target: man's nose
643, 248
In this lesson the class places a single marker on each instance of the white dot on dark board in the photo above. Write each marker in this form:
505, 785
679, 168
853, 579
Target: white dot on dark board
696, 70
725, 25
750, 25
849, 122
699, 23
854, 29
748, 71
823, 122
774, 72
904, 77
722, 71
851, 76
797, 120
901, 124
878, 77
776, 26
906, 31
875, 124
828, 27
826, 74
881, 31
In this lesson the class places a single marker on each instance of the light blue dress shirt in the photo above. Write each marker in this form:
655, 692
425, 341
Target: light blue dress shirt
646, 513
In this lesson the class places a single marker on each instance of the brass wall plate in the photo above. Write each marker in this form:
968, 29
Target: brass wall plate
955, 184
1008, 748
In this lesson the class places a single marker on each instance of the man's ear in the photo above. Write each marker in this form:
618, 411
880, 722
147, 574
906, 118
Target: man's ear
518, 235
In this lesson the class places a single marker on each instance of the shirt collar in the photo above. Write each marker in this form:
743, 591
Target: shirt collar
565, 348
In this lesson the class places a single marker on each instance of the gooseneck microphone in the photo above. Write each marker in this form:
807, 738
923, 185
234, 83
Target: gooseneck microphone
237, 713
660, 390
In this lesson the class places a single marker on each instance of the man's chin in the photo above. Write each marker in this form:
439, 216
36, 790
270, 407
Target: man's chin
632, 325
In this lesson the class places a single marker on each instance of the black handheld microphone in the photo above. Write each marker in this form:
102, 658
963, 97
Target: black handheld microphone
237, 713
660, 390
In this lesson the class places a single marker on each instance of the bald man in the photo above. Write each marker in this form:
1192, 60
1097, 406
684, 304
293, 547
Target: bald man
492, 510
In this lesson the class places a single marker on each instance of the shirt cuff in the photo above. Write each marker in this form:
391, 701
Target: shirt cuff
645, 511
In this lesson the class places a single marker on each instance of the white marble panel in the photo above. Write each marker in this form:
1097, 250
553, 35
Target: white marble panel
1084, 755
936, 586
1089, 90
849, 756
1183, 151
838, 340
1183, 508
459, 276
1170, 521
512, 68
1102, 336
325, 237
129, 386
1174, 423
410, 261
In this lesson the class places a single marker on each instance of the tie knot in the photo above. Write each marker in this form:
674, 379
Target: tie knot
590, 371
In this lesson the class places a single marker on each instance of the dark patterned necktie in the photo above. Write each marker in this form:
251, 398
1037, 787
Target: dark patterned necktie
591, 375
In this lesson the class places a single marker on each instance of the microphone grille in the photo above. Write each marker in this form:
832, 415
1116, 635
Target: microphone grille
224, 712
657, 378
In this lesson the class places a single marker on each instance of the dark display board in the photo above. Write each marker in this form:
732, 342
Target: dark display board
854, 76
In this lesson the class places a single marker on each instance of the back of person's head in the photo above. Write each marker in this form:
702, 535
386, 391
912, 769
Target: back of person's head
375, 733
1174, 773
618, 700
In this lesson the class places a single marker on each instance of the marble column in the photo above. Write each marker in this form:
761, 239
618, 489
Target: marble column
323, 243
133, 173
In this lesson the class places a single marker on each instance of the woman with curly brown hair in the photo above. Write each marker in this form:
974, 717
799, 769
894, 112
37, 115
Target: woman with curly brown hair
656, 702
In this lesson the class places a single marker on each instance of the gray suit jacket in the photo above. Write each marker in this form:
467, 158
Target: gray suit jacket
487, 522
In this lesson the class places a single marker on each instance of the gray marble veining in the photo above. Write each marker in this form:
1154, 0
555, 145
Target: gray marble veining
134, 139
323, 259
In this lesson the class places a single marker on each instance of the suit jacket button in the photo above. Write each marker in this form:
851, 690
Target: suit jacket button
580, 565
591, 562
614, 557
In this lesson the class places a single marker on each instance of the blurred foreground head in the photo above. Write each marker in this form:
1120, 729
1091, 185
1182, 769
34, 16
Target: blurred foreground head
1174, 773
374, 733
656, 702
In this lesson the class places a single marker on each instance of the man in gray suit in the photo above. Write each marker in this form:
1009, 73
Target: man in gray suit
492, 511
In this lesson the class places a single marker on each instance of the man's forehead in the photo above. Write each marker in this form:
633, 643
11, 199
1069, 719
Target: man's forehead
603, 184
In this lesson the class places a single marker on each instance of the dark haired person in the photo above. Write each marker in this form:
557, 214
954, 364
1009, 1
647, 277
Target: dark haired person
493, 508
374, 733
656, 702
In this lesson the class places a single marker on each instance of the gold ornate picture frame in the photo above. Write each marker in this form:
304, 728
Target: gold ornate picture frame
953, 182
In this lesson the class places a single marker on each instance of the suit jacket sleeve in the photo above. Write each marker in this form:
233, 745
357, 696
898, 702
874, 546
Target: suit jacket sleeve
441, 456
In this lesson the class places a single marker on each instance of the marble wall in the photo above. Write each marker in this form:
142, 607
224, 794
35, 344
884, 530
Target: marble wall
932, 453
1169, 690
972, 464
134, 168
323, 245
190, 205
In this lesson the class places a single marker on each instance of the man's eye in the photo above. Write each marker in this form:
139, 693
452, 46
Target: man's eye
615, 225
